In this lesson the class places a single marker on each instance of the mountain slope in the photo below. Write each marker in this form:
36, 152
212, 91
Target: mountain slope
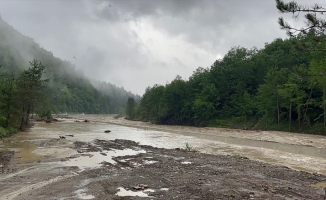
68, 89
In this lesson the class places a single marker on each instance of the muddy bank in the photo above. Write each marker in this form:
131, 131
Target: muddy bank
6, 160
271, 136
157, 173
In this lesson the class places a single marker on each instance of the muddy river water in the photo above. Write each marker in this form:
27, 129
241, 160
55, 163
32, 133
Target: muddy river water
299, 157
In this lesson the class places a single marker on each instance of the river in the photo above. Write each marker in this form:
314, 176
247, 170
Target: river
26, 144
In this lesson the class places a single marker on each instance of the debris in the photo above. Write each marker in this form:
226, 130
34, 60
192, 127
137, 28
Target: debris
62, 137
140, 187
70, 135
107, 131
86, 120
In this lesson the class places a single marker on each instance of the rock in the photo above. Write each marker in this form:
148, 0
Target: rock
136, 187
140, 187
48, 121
143, 185
62, 137
107, 131
70, 135
86, 120
104, 154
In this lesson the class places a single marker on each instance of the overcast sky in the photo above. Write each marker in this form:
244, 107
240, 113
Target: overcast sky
138, 43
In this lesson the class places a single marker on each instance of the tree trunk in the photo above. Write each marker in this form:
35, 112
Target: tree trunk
278, 116
21, 127
324, 116
299, 116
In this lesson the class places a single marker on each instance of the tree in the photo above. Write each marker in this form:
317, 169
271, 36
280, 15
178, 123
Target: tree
314, 18
130, 109
269, 94
9, 100
29, 84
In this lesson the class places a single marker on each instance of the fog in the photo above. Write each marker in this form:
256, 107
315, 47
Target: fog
136, 44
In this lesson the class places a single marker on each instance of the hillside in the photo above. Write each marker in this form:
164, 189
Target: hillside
68, 89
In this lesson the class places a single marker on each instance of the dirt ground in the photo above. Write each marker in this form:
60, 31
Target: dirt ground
133, 171
161, 174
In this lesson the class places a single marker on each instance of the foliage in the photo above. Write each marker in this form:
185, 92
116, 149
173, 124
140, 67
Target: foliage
277, 88
59, 87
130, 109
68, 90
189, 148
19, 96
314, 18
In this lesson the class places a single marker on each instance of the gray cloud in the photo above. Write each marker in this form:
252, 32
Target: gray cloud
136, 43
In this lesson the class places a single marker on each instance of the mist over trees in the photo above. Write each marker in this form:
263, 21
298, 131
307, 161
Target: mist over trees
46, 84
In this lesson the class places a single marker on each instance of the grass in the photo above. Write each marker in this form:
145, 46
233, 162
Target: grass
189, 148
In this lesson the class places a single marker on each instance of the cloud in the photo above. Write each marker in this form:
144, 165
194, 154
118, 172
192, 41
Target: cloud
140, 43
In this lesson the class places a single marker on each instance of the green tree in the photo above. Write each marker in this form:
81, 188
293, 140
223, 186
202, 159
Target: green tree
270, 97
9, 100
314, 16
29, 85
130, 109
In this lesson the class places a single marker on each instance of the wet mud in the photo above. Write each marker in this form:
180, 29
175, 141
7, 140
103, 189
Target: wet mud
146, 172
70, 160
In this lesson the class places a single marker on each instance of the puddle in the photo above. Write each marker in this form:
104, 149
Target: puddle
94, 159
149, 162
125, 193
185, 163
23, 150
80, 194
58, 152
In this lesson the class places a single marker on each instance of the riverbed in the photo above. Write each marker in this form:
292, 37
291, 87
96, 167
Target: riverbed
79, 153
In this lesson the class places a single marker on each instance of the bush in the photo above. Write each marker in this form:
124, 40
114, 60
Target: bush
317, 128
3, 132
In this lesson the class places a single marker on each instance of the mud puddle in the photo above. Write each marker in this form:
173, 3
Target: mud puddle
95, 159
129, 193
81, 194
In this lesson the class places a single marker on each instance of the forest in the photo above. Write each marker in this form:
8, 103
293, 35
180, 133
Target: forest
279, 87
33, 81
